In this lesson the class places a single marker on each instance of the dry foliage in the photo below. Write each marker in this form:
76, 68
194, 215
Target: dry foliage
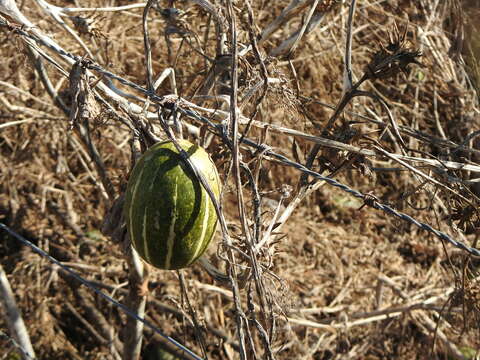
314, 275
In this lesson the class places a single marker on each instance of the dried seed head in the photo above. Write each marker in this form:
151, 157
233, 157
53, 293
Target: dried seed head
385, 65
392, 58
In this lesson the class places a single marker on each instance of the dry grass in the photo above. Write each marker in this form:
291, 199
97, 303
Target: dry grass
332, 281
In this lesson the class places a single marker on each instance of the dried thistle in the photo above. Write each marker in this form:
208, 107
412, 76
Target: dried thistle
392, 58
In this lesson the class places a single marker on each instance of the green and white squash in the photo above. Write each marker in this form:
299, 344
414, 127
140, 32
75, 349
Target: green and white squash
169, 215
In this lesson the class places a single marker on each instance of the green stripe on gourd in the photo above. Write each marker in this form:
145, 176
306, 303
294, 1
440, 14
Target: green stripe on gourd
170, 216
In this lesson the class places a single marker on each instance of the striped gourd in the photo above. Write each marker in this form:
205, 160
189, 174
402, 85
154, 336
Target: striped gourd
170, 216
